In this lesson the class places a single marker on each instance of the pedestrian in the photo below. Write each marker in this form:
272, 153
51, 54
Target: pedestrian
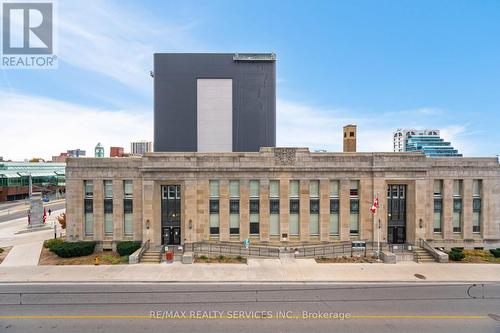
50, 211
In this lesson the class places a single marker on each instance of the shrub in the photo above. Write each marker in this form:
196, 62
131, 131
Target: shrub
495, 252
126, 248
460, 249
50, 243
221, 257
203, 257
1, 250
456, 255
77, 249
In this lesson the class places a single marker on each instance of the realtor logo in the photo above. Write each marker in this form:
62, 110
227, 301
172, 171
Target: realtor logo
28, 35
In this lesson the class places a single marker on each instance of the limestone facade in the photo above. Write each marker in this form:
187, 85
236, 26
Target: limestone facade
374, 172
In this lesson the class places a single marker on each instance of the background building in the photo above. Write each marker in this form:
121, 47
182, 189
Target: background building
61, 158
217, 102
47, 178
141, 147
427, 141
76, 153
350, 138
116, 152
400, 136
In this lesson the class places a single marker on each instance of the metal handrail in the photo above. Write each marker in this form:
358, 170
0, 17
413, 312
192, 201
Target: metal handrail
144, 248
231, 249
428, 248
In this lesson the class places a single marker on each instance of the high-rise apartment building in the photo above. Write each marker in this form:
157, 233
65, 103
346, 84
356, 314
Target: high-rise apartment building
141, 147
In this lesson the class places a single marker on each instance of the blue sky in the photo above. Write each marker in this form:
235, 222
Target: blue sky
380, 64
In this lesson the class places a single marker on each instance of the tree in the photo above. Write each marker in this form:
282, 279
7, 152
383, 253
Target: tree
62, 220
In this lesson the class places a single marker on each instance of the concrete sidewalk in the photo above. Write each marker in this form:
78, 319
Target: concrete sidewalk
23, 255
257, 270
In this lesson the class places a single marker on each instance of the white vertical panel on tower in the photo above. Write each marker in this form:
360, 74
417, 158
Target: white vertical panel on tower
215, 115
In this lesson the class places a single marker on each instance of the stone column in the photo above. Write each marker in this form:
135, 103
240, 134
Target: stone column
98, 227
467, 208
284, 206
137, 208
380, 191
264, 210
366, 198
74, 209
324, 210
147, 211
189, 211
345, 210
447, 226
244, 209
421, 208
202, 224
304, 210
224, 210
118, 213
429, 217
156, 221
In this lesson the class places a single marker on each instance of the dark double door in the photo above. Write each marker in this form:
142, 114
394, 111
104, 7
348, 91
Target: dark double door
396, 214
171, 214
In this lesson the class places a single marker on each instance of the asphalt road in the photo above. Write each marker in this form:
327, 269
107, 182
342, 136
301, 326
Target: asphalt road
192, 308
9, 212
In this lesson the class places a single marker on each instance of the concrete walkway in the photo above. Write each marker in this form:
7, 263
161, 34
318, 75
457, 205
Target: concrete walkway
258, 270
23, 255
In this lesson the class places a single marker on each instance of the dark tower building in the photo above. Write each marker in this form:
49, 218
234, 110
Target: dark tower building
214, 102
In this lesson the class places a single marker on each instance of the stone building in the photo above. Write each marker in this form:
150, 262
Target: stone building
281, 195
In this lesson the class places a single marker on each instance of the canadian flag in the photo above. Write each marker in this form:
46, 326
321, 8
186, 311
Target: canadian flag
374, 206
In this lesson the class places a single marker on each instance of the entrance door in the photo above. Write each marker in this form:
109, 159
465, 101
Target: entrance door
171, 236
171, 214
396, 214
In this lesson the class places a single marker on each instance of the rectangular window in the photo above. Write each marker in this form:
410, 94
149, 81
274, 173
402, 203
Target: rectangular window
314, 207
214, 188
214, 220
476, 215
254, 207
354, 188
254, 216
457, 188
354, 217
438, 187
108, 217
274, 189
457, 215
108, 189
334, 189
274, 208
476, 188
234, 188
334, 207
294, 188
234, 216
128, 210
314, 188
89, 217
438, 213
438, 205
89, 188
128, 189
254, 188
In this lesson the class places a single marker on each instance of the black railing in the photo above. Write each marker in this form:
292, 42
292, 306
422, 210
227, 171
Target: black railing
232, 249
336, 250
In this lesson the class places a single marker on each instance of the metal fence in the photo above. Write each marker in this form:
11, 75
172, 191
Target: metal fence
336, 250
233, 249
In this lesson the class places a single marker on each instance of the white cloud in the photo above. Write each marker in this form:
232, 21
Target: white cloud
42, 127
108, 39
